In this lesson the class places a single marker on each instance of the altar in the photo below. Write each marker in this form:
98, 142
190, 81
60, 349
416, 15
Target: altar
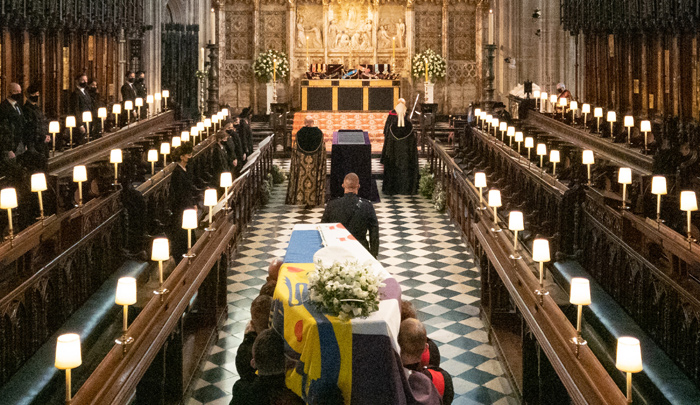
349, 95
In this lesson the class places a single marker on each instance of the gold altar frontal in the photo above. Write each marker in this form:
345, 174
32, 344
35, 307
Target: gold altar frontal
349, 95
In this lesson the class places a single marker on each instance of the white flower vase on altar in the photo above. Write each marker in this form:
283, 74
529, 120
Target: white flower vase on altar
271, 95
429, 87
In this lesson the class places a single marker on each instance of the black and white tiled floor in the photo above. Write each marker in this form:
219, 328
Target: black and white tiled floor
420, 247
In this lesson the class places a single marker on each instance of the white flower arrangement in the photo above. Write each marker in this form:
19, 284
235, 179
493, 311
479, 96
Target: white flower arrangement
436, 65
346, 290
265, 62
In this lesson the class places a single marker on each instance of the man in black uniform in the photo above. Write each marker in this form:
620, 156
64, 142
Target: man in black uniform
141, 91
244, 131
356, 214
128, 94
12, 140
80, 102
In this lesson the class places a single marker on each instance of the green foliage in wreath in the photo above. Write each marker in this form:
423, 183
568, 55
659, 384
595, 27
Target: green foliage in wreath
265, 62
278, 176
426, 183
436, 65
265, 192
439, 197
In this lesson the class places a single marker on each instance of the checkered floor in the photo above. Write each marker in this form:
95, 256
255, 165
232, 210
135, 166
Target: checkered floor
420, 247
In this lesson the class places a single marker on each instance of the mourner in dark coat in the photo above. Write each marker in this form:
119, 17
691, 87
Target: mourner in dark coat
400, 153
183, 195
12, 119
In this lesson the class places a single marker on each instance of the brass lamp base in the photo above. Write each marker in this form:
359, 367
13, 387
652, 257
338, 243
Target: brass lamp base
189, 255
496, 229
578, 341
161, 291
210, 229
624, 207
541, 292
124, 341
515, 256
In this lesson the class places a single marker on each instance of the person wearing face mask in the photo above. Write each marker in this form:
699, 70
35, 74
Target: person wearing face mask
80, 102
96, 99
141, 91
12, 141
234, 147
128, 93
37, 128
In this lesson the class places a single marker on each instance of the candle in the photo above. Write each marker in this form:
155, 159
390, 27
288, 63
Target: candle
201, 58
274, 70
490, 27
307, 49
213, 26
426, 71
393, 48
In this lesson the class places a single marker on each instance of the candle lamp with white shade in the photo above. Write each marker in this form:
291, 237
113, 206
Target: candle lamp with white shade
562, 103
598, 114
543, 101
116, 110
70, 124
480, 183
554, 158
80, 176
214, 121
54, 128
128, 106
541, 152
494, 201
536, 94
165, 151
38, 184
138, 103
588, 159
477, 114
157, 97
160, 252
207, 125
540, 254
518, 140
489, 120
495, 122
629, 123
658, 187
573, 107
529, 144
225, 112
580, 296
510, 133
185, 136
585, 110
503, 127
166, 95
87, 119
115, 157
210, 200
612, 118
194, 132
153, 158
149, 101
515, 224
226, 181
200, 128
8, 201
645, 127
126, 295
689, 203
624, 177
102, 114
68, 357
553, 103
629, 360
189, 222
176, 142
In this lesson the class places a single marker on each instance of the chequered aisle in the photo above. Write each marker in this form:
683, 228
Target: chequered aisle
424, 252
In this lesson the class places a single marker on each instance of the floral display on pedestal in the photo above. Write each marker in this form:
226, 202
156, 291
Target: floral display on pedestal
271, 66
428, 65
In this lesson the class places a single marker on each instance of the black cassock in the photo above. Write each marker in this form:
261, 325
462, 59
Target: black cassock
399, 157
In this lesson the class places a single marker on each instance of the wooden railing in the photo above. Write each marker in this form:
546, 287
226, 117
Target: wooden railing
163, 329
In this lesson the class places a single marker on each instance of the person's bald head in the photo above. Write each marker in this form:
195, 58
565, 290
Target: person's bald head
309, 121
413, 339
351, 183
273, 269
14, 88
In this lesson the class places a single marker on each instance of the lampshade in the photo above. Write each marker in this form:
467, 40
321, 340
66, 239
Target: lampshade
226, 179
194, 131
629, 121
554, 156
586, 108
688, 201
210, 198
68, 351
540, 250
138, 102
515, 221
563, 102
207, 122
483, 115
70, 121
503, 126
185, 136
612, 116
489, 117
494, 198
115, 156
529, 142
573, 105
157, 96
87, 116
38, 182
479, 179
149, 99
536, 94
543, 96
477, 112
629, 355
598, 112
160, 250
587, 157
128, 105
176, 142
553, 98
645, 126
79, 173
8, 198
54, 127
166, 93
153, 155
221, 115
126, 291
518, 136
164, 148
189, 219
494, 122
224, 112
658, 185
541, 149
511, 131
580, 291
200, 126
214, 118
624, 175
102, 112
117, 109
